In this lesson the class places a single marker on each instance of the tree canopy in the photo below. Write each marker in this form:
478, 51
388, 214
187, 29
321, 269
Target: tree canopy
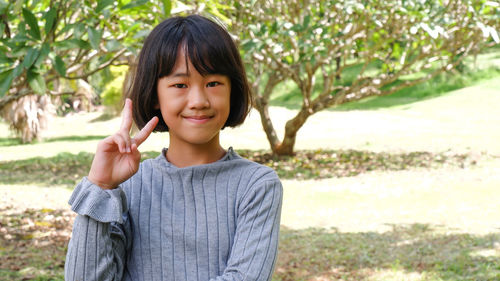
342, 51
45, 46
333, 51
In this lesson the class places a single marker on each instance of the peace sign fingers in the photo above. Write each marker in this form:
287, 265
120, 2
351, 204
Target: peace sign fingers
143, 134
117, 157
127, 116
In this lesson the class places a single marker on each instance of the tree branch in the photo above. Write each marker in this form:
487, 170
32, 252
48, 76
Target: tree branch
102, 66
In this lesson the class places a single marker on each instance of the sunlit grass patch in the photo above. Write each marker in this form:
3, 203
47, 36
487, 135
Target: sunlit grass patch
319, 254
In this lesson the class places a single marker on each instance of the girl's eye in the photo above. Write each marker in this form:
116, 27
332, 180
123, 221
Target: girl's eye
212, 84
180, 86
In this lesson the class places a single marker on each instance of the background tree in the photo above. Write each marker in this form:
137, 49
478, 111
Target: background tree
47, 46
343, 51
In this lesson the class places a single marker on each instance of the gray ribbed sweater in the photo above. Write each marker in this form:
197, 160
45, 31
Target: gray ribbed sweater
218, 221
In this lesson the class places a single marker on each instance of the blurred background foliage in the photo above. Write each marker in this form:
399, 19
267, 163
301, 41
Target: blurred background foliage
62, 56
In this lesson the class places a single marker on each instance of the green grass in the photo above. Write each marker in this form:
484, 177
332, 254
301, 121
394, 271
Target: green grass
67, 169
35, 246
10, 141
17, 141
62, 169
407, 252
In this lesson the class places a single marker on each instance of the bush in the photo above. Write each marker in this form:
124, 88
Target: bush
112, 96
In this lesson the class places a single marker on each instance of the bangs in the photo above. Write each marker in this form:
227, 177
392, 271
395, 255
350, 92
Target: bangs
201, 45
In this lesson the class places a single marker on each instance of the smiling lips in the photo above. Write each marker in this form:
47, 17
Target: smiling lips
198, 119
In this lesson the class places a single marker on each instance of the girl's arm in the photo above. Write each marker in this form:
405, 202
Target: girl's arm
101, 234
100, 238
255, 246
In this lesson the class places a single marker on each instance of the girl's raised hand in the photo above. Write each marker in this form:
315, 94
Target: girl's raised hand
117, 157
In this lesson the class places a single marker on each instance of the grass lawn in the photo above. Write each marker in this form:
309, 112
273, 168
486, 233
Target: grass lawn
439, 223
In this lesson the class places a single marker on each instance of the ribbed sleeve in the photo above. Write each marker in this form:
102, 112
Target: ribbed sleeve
218, 221
97, 203
98, 244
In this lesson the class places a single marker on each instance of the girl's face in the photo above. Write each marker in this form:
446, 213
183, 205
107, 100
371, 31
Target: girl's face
194, 107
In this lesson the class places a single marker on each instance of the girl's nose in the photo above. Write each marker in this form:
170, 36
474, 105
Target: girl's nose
197, 98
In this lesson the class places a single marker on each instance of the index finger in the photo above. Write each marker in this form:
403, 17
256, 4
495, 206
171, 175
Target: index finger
127, 116
143, 134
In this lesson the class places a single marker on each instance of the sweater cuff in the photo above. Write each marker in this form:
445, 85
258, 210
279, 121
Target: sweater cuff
100, 204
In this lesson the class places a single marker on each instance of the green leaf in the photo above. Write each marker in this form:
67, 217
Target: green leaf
7, 77
4, 58
17, 71
2, 28
32, 22
30, 57
60, 66
167, 7
19, 38
307, 20
112, 45
36, 82
134, 4
249, 45
50, 18
94, 37
79, 30
44, 51
103, 4
18, 6
73, 43
141, 34
3, 7
66, 28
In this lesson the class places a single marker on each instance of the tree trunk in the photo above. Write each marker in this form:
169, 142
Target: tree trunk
262, 106
28, 116
286, 147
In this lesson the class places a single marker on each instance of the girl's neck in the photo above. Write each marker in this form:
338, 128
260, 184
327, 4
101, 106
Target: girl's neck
184, 155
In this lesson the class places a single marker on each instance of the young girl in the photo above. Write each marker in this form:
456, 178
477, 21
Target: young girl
197, 211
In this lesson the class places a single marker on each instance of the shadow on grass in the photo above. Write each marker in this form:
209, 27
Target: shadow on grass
74, 138
18, 141
10, 141
33, 245
407, 252
64, 169
67, 169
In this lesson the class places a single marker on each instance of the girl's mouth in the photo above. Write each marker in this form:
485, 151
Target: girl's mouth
198, 119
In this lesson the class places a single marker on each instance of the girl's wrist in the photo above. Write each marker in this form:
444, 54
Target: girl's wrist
101, 184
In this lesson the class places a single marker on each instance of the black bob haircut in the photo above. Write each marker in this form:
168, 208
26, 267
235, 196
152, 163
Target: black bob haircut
209, 48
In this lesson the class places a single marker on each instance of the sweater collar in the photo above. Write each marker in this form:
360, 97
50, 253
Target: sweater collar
230, 155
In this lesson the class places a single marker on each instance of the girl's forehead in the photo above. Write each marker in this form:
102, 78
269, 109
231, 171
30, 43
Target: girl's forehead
182, 64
